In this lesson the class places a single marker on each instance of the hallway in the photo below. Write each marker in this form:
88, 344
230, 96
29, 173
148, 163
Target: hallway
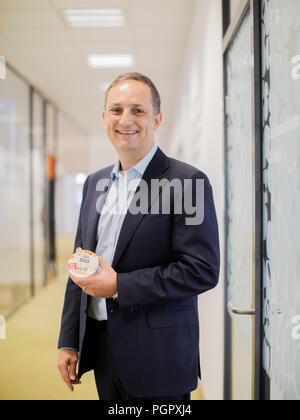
29, 353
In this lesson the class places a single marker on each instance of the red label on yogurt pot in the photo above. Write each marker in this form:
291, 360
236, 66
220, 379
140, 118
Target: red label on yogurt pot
72, 266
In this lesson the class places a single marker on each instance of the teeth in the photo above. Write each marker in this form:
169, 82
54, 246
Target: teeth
127, 132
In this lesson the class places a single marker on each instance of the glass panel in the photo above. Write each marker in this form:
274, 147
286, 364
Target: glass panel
239, 64
39, 185
281, 143
50, 129
15, 193
51, 150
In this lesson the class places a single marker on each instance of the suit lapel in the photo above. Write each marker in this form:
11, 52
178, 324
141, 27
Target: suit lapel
155, 170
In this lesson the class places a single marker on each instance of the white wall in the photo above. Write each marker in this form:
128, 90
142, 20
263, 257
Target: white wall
101, 151
197, 138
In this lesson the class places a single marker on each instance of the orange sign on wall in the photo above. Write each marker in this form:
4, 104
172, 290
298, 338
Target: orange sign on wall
51, 167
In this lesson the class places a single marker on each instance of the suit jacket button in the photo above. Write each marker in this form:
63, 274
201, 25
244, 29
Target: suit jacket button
85, 310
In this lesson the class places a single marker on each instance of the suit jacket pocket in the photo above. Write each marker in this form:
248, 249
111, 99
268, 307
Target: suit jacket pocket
173, 318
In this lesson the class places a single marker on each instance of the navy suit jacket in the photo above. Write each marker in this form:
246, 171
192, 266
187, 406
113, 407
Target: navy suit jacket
162, 265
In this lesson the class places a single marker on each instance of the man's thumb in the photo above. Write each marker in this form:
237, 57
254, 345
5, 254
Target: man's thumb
102, 262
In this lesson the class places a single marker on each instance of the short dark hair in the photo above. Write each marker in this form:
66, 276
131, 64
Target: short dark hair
140, 78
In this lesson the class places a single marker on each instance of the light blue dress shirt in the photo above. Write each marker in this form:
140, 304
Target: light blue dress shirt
112, 216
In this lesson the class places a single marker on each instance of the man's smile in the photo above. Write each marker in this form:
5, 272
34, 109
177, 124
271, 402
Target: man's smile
127, 133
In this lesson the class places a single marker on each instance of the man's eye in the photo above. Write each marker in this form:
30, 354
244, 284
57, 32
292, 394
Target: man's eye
116, 110
138, 111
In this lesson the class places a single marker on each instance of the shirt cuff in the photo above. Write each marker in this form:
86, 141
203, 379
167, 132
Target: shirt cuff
68, 348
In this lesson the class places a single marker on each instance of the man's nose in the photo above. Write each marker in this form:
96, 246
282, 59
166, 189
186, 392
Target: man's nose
126, 118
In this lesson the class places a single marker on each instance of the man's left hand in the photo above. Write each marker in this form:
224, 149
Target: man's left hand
102, 284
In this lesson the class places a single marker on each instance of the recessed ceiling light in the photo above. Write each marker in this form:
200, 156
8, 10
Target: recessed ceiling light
94, 17
110, 61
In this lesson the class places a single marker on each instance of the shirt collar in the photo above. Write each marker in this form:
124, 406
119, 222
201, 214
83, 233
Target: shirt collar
140, 167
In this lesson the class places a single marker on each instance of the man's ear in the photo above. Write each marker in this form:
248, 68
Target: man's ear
104, 118
157, 121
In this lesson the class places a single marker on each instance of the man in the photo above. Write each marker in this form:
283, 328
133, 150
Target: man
135, 323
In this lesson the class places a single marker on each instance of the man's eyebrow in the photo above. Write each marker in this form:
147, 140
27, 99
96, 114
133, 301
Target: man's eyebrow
118, 104
115, 104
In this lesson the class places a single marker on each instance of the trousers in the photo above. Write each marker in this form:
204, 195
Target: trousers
109, 385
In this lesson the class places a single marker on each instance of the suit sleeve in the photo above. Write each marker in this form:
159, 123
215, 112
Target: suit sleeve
195, 264
69, 331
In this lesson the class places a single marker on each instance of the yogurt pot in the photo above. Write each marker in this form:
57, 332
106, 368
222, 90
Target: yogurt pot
83, 264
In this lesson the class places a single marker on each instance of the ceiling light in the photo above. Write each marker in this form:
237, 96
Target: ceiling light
110, 61
94, 17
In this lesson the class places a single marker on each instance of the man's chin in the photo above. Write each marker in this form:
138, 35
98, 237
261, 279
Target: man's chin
127, 146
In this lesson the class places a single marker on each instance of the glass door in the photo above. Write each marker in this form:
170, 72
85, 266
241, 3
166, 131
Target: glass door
262, 138
281, 162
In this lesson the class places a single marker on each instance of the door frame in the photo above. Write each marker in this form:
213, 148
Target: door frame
260, 386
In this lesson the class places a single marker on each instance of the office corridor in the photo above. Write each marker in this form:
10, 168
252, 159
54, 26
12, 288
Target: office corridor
29, 353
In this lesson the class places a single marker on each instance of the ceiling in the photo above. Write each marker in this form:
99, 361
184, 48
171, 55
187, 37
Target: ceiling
36, 41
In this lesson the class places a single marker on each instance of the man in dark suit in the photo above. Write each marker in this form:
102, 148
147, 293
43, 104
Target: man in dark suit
135, 323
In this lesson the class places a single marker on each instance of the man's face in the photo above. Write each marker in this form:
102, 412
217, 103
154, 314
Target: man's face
129, 118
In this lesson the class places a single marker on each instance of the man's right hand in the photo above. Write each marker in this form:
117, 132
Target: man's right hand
67, 363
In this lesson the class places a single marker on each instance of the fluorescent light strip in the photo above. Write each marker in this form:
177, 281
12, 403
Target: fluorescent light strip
94, 17
108, 61
93, 12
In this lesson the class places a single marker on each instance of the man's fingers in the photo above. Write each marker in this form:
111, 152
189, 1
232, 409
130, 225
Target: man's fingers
65, 375
77, 281
67, 364
72, 372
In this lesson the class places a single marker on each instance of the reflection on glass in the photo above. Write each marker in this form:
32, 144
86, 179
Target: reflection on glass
239, 167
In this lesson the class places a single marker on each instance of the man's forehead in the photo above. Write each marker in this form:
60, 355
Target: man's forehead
130, 87
130, 93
